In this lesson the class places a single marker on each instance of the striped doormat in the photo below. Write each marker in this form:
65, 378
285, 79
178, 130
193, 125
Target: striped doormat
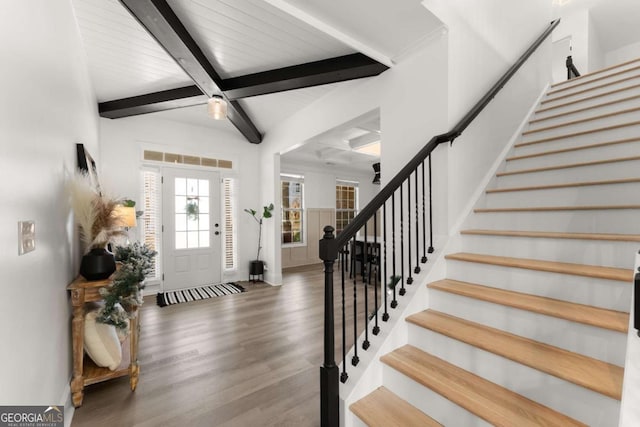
201, 292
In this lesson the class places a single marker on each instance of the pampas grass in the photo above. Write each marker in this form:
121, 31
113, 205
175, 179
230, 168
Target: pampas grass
94, 213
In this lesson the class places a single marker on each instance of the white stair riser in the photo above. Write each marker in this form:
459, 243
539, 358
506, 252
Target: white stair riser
600, 172
615, 73
575, 114
588, 252
618, 194
583, 126
567, 105
437, 407
357, 422
612, 151
572, 95
621, 221
572, 400
591, 341
566, 138
609, 294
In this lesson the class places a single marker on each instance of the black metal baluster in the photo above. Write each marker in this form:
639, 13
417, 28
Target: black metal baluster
430, 212
365, 279
394, 301
344, 376
409, 279
376, 263
385, 316
424, 220
402, 290
355, 359
417, 269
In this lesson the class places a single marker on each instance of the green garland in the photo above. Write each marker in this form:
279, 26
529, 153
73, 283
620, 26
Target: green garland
136, 262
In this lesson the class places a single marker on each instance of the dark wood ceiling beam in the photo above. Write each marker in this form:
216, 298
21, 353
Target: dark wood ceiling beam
331, 70
152, 102
157, 17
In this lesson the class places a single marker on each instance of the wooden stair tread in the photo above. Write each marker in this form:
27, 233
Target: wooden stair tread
600, 86
581, 110
602, 377
570, 149
592, 73
382, 408
556, 235
565, 185
598, 272
582, 83
574, 134
579, 121
570, 165
585, 314
487, 400
557, 208
588, 98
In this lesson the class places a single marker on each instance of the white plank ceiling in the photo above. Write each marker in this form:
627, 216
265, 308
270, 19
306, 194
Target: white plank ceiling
240, 37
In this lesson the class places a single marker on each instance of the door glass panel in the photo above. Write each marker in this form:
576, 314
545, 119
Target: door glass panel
181, 240
203, 187
204, 205
192, 239
181, 203
192, 187
192, 213
204, 238
204, 222
181, 222
181, 186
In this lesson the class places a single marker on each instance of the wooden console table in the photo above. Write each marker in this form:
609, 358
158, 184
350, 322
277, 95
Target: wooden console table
85, 372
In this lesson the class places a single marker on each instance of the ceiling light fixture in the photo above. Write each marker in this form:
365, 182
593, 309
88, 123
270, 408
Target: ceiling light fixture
217, 107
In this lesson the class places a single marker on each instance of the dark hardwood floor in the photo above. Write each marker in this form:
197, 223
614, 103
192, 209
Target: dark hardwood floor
243, 360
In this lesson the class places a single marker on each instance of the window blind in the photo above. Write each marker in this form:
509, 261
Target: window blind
229, 240
151, 227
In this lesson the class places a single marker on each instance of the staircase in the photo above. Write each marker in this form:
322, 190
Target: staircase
529, 327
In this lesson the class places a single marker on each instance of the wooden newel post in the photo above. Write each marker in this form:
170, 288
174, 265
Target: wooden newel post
329, 385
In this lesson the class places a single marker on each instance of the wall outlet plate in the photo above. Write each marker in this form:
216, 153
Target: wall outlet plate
26, 237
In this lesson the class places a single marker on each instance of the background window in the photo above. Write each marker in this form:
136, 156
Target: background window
346, 203
292, 187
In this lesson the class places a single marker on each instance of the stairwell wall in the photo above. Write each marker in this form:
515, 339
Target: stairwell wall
484, 40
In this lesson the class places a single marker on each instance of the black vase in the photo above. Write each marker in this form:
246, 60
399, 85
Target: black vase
98, 264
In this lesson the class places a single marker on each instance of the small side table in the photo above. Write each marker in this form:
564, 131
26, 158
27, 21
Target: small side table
85, 371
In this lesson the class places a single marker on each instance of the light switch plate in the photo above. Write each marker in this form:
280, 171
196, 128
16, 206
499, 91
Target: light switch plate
26, 237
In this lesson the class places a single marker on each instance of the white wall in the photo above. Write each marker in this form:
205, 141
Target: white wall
596, 53
319, 184
412, 99
47, 107
484, 40
121, 152
623, 54
575, 24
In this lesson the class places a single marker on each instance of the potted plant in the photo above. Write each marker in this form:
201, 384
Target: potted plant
99, 225
256, 267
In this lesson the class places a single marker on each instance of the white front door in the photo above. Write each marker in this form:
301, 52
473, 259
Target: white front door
191, 224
